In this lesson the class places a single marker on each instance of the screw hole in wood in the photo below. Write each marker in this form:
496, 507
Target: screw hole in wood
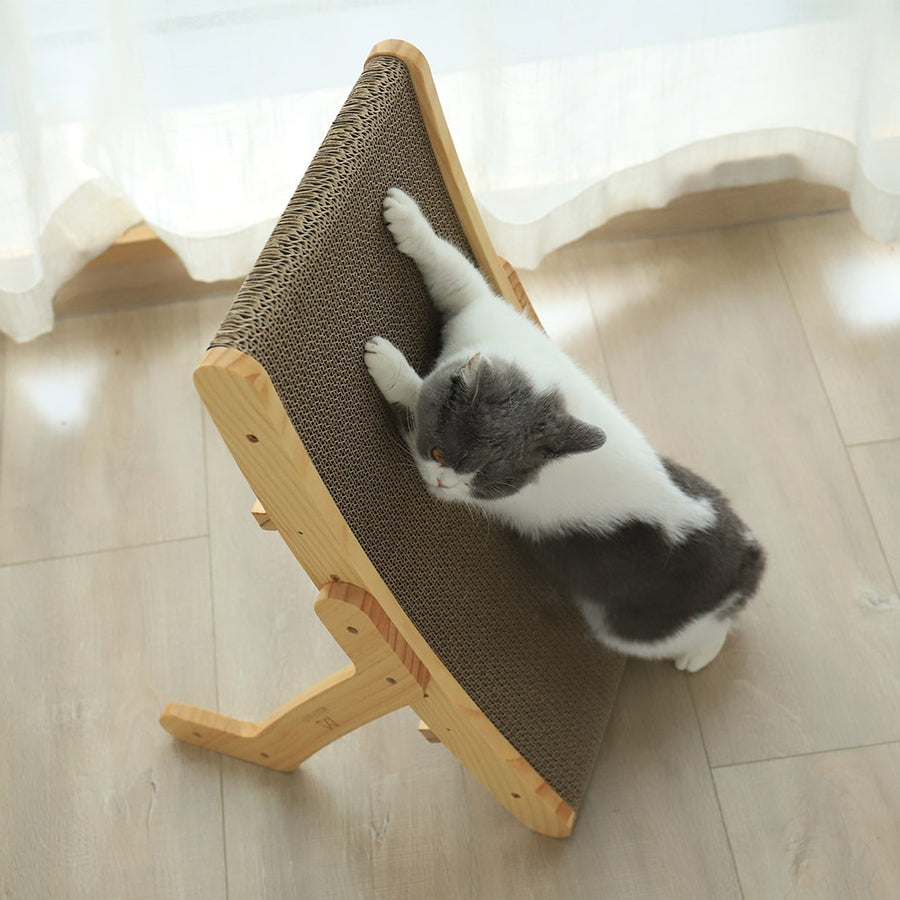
253, 438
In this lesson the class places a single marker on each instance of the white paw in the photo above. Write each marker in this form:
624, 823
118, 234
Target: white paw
405, 221
695, 660
386, 364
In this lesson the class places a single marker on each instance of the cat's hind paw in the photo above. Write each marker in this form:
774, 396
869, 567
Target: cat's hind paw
698, 658
405, 221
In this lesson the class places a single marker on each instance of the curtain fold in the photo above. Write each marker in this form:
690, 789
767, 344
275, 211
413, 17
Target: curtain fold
201, 116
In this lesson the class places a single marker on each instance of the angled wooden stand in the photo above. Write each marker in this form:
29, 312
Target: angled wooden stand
385, 675
474, 640
248, 413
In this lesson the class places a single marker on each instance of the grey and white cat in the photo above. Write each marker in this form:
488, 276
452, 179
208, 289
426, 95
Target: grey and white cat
654, 556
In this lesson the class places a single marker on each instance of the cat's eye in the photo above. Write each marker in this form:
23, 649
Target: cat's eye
436, 455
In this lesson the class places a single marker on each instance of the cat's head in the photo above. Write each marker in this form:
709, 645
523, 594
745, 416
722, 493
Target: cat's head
482, 431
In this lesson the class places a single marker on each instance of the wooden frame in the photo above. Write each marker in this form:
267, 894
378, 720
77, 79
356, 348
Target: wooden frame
393, 665
385, 675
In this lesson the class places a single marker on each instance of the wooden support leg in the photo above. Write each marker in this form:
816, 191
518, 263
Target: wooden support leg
385, 675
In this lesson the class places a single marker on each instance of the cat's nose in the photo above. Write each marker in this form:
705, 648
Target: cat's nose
440, 483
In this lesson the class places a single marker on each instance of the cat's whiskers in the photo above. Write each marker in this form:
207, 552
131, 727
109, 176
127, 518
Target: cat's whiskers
476, 513
400, 442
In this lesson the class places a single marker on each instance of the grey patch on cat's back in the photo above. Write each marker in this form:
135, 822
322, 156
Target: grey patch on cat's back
645, 589
487, 417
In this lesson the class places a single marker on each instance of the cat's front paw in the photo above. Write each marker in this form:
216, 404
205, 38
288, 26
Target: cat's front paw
386, 365
404, 219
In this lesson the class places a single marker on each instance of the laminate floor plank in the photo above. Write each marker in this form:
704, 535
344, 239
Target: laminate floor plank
98, 801
650, 826
878, 469
103, 441
560, 297
707, 355
847, 290
823, 827
736, 356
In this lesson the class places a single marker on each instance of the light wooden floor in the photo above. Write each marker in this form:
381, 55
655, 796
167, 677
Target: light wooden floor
765, 356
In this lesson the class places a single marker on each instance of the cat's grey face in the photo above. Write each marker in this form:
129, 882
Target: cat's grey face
482, 431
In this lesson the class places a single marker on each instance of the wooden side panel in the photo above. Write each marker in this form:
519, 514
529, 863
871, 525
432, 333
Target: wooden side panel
522, 301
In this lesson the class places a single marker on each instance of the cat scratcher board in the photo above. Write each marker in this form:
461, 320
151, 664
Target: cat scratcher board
435, 606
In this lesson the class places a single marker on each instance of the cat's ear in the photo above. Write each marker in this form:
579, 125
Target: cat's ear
468, 371
471, 365
570, 435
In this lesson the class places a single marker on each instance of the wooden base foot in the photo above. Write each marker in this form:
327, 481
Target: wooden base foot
385, 675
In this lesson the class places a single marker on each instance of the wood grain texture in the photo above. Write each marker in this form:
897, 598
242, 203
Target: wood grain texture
707, 355
820, 826
385, 675
878, 469
88, 466
97, 800
847, 291
523, 302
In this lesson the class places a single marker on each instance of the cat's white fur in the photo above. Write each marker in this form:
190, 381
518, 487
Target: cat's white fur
691, 648
622, 481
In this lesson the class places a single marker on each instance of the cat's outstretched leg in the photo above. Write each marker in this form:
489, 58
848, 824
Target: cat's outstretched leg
452, 281
393, 376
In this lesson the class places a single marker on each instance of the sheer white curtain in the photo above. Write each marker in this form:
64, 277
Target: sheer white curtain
200, 116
